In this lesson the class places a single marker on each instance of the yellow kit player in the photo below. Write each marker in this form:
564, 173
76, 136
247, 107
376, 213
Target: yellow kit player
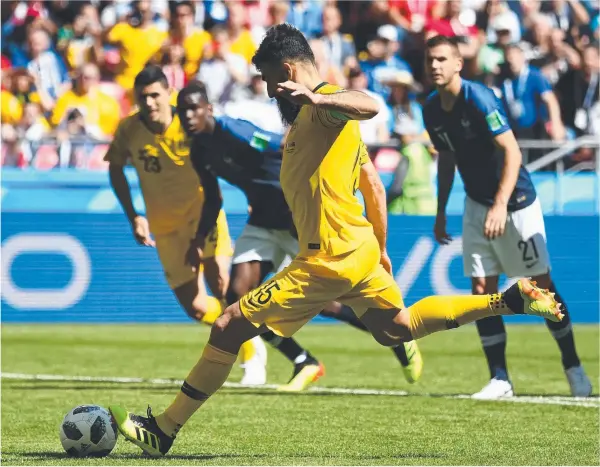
154, 142
342, 256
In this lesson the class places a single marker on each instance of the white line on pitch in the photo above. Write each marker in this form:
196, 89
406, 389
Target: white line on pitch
593, 402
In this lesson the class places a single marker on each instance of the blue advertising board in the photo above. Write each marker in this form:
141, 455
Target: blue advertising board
86, 267
71, 190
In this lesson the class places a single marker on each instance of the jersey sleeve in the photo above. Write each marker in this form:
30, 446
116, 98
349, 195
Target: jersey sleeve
328, 118
363, 155
485, 104
118, 152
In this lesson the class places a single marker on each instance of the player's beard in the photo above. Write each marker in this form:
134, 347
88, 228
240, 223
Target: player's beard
288, 110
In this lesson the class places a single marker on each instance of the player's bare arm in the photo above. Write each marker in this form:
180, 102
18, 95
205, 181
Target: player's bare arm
345, 105
557, 128
495, 221
445, 180
371, 186
120, 185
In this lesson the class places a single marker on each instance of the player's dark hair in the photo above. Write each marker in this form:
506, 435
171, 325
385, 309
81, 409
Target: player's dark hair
149, 75
443, 40
193, 87
283, 43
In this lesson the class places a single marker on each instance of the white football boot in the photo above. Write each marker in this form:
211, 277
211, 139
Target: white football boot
255, 369
496, 389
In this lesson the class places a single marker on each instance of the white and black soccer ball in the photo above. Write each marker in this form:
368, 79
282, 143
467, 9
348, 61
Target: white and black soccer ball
88, 431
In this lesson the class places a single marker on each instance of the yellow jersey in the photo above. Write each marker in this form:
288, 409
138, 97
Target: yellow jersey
138, 45
98, 109
320, 173
170, 185
12, 110
244, 45
194, 46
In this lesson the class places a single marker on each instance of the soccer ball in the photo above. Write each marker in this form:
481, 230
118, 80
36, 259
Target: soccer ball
88, 431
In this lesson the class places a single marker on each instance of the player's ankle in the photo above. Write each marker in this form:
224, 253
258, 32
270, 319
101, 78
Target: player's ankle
167, 425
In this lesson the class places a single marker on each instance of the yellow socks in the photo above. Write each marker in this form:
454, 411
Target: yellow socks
438, 313
205, 379
214, 308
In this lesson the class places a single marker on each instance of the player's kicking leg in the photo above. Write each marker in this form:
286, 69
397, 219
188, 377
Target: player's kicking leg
286, 307
155, 435
407, 353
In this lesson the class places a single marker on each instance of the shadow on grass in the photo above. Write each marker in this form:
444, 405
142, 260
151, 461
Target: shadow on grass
61, 455
199, 457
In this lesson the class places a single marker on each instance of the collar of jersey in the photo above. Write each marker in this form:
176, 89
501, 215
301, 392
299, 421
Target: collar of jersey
173, 115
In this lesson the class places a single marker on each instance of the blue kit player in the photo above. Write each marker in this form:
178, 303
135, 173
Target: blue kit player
250, 158
503, 224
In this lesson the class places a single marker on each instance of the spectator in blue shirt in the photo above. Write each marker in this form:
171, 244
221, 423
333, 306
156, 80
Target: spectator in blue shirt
531, 105
382, 61
306, 16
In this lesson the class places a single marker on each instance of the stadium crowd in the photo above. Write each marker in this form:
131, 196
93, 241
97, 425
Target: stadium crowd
68, 66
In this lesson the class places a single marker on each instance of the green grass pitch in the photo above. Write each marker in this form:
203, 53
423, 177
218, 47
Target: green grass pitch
262, 427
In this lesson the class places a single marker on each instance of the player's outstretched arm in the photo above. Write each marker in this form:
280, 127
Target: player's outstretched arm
343, 105
373, 191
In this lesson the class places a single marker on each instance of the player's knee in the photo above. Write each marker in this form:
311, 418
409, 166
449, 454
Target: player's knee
395, 332
388, 339
231, 313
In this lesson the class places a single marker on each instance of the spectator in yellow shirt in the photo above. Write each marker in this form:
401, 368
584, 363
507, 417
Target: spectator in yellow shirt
139, 39
239, 35
81, 42
11, 108
192, 38
97, 108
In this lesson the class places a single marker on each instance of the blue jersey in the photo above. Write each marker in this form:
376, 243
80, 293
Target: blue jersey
468, 131
249, 158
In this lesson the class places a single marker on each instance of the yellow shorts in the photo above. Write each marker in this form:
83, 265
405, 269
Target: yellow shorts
172, 249
298, 293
